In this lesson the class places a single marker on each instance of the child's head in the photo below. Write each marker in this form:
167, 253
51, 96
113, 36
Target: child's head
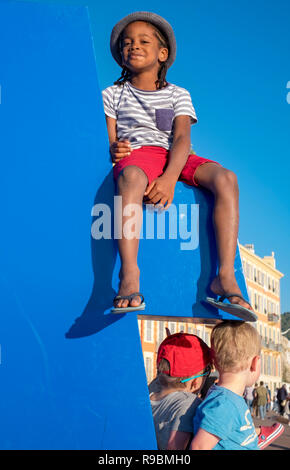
183, 362
235, 344
148, 36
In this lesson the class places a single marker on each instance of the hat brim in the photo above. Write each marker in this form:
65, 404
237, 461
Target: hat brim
152, 18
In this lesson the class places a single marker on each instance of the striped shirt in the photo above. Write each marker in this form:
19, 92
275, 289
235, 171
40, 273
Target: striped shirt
146, 117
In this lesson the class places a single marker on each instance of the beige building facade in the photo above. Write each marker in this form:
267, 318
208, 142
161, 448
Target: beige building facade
263, 283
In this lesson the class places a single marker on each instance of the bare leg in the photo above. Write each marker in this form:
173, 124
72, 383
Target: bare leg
223, 184
132, 183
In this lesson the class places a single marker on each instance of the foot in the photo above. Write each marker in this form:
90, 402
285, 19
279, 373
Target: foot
129, 283
222, 285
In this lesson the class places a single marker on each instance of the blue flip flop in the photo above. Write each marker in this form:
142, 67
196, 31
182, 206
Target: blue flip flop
237, 310
128, 297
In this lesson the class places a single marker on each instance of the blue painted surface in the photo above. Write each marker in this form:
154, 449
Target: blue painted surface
176, 273
71, 376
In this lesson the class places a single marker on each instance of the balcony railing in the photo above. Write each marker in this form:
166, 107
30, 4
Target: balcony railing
269, 344
273, 317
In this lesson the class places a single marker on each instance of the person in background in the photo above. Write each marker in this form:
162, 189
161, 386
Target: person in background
268, 405
255, 401
282, 398
183, 364
262, 400
275, 407
249, 397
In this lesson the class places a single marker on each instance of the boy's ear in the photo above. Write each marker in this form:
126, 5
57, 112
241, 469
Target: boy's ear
195, 385
255, 363
163, 54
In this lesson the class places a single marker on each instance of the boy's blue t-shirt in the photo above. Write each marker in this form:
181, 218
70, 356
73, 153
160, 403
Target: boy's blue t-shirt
226, 415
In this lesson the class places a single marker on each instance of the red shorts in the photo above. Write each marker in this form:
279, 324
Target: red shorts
153, 161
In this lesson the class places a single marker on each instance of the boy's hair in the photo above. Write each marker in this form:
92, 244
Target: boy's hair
161, 80
234, 344
165, 380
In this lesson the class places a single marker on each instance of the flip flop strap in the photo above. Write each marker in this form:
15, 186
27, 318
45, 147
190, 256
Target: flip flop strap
129, 297
227, 296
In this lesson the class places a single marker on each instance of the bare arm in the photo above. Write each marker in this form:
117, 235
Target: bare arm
180, 147
112, 129
204, 440
118, 149
178, 440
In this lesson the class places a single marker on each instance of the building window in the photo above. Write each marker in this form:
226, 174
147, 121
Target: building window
250, 295
273, 366
172, 327
256, 301
206, 338
161, 331
148, 336
265, 365
182, 328
264, 304
148, 362
269, 368
263, 279
260, 303
198, 333
248, 271
190, 330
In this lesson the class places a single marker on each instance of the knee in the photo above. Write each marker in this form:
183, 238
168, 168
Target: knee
226, 181
131, 176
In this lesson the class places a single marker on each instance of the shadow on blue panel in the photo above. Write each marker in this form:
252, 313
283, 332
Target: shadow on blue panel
96, 315
193, 270
208, 254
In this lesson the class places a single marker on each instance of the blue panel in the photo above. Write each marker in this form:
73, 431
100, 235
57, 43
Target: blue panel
176, 272
71, 376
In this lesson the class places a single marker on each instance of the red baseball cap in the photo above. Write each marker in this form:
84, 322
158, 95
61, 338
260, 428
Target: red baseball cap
187, 354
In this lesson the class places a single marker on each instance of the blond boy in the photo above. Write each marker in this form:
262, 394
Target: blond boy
223, 421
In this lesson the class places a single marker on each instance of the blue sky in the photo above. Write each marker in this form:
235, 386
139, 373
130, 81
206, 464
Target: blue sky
233, 57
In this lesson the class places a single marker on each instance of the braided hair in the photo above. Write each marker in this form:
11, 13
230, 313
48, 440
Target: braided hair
161, 77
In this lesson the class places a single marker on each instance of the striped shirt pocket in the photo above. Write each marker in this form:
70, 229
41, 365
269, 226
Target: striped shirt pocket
164, 118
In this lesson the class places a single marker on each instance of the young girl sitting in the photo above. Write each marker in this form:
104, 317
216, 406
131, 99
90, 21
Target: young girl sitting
148, 121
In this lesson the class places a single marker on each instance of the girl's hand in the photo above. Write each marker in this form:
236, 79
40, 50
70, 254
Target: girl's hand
160, 192
120, 149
